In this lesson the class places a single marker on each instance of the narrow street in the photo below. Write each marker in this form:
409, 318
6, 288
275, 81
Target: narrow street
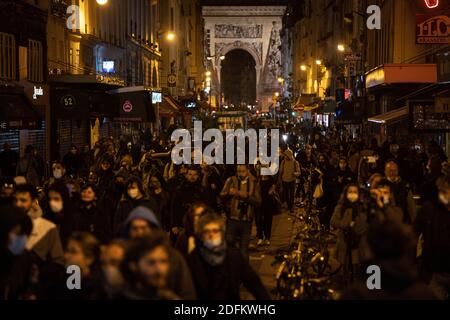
261, 258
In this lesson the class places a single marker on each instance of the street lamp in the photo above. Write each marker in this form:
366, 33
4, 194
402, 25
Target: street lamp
170, 35
303, 67
222, 58
277, 94
319, 62
102, 2
208, 73
280, 80
341, 48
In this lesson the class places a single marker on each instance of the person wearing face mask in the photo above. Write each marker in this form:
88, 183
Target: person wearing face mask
44, 241
111, 258
433, 223
16, 263
59, 210
402, 193
350, 222
218, 269
90, 214
135, 197
142, 223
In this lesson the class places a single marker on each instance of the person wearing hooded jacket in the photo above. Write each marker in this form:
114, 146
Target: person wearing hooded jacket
139, 224
218, 269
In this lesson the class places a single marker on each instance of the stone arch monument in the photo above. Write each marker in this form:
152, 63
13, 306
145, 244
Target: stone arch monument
255, 29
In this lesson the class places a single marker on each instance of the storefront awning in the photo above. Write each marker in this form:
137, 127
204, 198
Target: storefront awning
389, 74
391, 116
168, 107
16, 112
135, 106
69, 103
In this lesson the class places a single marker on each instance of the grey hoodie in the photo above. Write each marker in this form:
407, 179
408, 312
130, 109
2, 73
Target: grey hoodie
179, 279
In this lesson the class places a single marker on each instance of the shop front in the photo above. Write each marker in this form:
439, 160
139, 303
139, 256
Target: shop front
20, 120
135, 112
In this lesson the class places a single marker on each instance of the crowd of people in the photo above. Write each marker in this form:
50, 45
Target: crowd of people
141, 227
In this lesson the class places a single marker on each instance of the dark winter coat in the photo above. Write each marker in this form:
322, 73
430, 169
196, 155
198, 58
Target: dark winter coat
179, 279
223, 282
433, 222
92, 219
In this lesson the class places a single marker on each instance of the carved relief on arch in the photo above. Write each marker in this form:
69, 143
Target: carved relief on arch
254, 48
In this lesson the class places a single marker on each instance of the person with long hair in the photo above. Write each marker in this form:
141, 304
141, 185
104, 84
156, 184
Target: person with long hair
186, 240
83, 251
350, 222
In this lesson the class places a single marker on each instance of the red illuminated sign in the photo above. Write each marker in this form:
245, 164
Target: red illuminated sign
431, 4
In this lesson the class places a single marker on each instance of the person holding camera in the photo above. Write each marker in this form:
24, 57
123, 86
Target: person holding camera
244, 195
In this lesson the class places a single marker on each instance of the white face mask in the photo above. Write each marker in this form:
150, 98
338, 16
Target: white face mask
386, 200
352, 197
57, 173
443, 199
133, 193
56, 206
17, 244
211, 244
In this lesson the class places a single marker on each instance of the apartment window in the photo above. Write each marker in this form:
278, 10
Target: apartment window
35, 61
8, 54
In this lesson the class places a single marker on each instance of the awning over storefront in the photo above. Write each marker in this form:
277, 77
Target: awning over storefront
401, 73
169, 107
391, 116
16, 112
102, 105
69, 103
135, 106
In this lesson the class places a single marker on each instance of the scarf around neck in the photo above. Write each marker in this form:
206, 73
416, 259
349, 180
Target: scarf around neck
214, 257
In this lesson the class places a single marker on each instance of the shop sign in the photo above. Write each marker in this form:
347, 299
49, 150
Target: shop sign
127, 106
68, 102
432, 29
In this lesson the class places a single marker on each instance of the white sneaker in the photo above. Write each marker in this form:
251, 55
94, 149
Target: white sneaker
260, 242
267, 242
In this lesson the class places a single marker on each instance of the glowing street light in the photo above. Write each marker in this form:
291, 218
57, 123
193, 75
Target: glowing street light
170, 35
102, 2
208, 73
277, 94
280, 80
303, 67
318, 62
222, 58
341, 47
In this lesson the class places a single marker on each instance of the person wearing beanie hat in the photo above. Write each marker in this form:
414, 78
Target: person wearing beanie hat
141, 223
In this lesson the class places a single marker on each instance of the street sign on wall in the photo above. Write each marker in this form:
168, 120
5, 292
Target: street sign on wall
172, 80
